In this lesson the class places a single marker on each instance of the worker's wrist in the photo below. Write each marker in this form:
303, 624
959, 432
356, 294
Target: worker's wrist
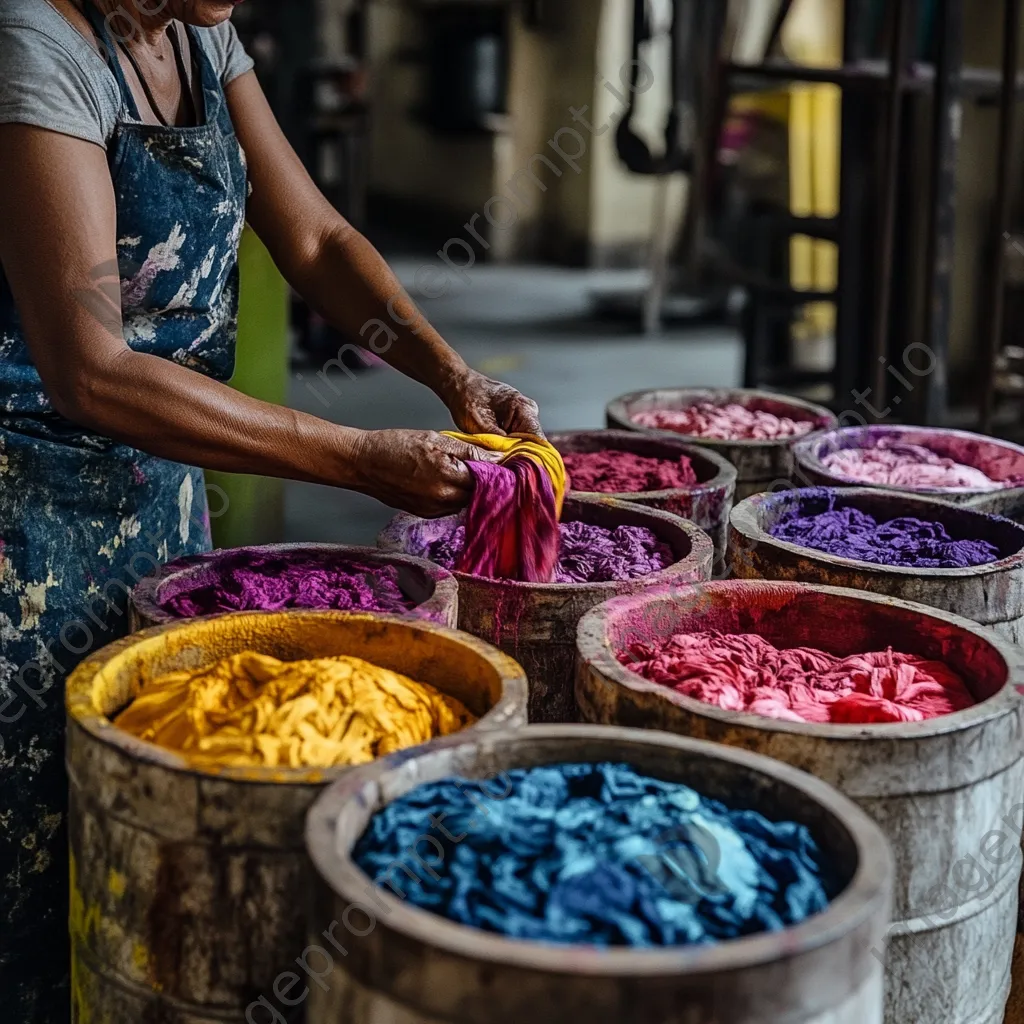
348, 447
453, 382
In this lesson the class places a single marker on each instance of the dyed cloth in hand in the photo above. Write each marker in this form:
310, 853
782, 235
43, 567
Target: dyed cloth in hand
744, 672
594, 854
512, 520
587, 554
724, 422
253, 710
615, 472
895, 464
908, 542
260, 581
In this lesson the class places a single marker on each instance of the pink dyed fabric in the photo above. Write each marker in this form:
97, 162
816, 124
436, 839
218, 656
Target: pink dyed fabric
511, 523
724, 423
905, 465
743, 672
613, 472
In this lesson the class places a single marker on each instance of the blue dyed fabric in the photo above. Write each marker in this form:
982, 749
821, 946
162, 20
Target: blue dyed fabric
595, 854
82, 517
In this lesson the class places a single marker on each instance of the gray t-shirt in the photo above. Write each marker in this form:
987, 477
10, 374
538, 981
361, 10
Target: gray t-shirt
52, 77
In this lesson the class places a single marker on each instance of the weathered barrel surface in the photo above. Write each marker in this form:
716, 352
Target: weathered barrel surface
706, 503
536, 622
992, 594
759, 464
433, 589
187, 886
410, 967
946, 792
997, 459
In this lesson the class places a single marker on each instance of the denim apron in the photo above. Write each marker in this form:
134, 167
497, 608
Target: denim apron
82, 518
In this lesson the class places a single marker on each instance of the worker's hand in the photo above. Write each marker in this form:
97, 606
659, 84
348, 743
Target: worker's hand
418, 471
480, 405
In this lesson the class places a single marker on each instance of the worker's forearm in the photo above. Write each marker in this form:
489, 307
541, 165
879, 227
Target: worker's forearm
175, 413
353, 288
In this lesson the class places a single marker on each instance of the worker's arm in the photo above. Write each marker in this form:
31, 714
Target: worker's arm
58, 239
346, 280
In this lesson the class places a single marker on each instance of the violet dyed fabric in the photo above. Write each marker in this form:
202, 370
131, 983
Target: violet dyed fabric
260, 581
744, 672
906, 541
511, 522
724, 422
587, 554
896, 464
616, 472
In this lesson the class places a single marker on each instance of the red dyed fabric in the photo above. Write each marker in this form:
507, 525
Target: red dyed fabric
614, 472
744, 672
511, 523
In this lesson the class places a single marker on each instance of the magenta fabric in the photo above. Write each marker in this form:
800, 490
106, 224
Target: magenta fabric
906, 541
744, 672
247, 580
587, 554
616, 472
896, 464
724, 422
511, 527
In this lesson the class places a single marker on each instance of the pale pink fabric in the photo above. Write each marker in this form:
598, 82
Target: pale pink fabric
744, 672
904, 465
724, 422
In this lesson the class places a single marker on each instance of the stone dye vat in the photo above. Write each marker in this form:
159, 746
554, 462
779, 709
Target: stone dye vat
187, 885
991, 593
412, 967
275, 577
536, 622
705, 502
759, 463
940, 789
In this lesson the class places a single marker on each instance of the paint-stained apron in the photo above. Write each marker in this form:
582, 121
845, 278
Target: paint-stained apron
82, 518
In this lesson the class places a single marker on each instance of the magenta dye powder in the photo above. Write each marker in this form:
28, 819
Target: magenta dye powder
906, 541
247, 580
616, 472
587, 554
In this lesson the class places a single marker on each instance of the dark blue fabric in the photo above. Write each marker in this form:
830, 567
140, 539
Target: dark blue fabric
595, 854
82, 517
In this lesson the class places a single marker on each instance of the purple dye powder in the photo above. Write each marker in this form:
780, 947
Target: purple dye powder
260, 581
587, 554
906, 542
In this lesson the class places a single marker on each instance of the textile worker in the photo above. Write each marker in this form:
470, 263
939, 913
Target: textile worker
135, 142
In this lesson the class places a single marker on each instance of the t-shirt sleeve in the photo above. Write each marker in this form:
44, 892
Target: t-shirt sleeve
227, 52
44, 84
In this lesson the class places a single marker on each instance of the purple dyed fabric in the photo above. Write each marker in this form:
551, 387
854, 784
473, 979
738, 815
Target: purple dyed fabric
906, 542
587, 554
250, 581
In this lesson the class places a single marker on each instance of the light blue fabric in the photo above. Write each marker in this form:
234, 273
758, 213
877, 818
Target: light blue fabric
82, 517
595, 854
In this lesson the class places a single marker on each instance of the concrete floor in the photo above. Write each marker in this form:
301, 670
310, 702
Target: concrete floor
529, 326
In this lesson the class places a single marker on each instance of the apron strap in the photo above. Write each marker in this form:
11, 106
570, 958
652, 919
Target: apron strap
102, 29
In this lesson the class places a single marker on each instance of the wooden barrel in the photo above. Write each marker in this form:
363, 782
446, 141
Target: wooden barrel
759, 464
992, 594
706, 503
946, 792
407, 966
997, 459
536, 622
187, 886
433, 590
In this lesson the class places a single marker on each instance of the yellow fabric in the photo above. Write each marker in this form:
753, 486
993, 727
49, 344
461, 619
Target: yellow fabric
542, 452
253, 710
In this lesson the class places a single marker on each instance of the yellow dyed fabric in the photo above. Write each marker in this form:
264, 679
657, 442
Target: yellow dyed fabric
542, 452
253, 710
